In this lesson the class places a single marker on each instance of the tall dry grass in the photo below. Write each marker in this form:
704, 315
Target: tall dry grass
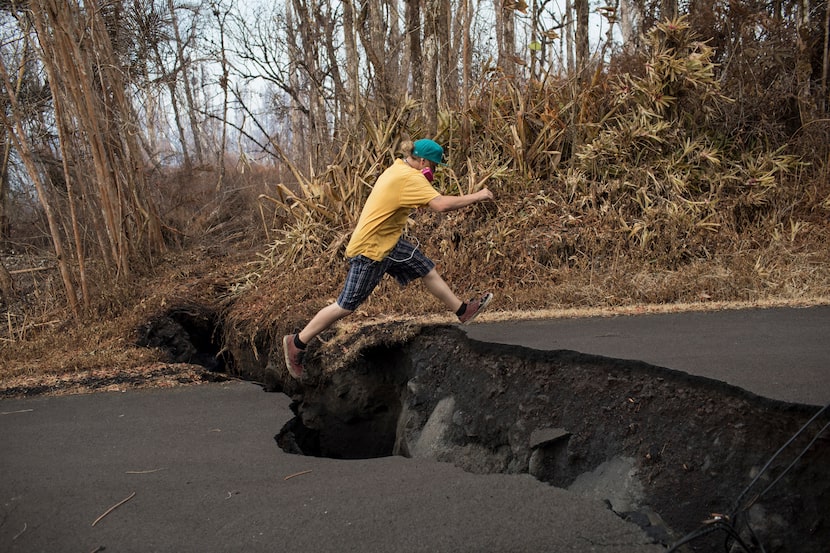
632, 190
637, 188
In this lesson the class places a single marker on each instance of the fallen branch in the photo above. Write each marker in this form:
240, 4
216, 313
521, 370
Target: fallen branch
31, 270
21, 331
25, 525
15, 412
290, 476
114, 507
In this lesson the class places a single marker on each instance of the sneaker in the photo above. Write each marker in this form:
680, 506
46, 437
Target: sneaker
474, 307
293, 356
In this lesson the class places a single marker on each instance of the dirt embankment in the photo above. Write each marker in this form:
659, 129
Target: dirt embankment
663, 449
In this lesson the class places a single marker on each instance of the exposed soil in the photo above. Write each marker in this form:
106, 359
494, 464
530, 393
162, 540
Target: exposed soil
154, 375
663, 449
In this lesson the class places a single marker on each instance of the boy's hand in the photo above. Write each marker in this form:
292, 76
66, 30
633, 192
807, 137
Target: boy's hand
485, 194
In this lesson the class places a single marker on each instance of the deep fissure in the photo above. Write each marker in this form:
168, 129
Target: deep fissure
661, 448
188, 334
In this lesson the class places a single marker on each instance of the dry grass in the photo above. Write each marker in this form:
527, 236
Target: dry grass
656, 206
103, 355
54, 354
632, 195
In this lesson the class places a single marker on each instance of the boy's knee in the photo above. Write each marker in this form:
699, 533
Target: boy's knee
343, 311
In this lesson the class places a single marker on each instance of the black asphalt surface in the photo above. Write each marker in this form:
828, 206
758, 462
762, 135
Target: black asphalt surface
200, 470
779, 353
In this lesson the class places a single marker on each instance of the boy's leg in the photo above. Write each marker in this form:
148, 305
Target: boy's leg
293, 345
363, 276
466, 311
438, 287
324, 318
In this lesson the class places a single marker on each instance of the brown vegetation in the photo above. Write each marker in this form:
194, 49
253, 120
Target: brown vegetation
660, 181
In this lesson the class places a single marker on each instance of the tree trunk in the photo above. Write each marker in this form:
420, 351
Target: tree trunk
803, 67
183, 66
447, 56
340, 98
171, 81
382, 49
5, 189
395, 44
582, 10
505, 36
352, 58
414, 32
6, 283
825, 64
465, 61
569, 37
631, 17
62, 123
25, 152
223, 84
429, 71
298, 122
86, 79
308, 43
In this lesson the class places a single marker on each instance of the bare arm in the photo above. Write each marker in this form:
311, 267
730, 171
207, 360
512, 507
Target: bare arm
449, 203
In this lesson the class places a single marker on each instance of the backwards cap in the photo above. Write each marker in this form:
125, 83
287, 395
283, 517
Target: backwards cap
429, 149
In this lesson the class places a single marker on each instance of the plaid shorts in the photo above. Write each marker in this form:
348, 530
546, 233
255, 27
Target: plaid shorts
405, 263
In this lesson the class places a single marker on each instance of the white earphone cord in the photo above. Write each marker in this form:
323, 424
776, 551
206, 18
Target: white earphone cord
414, 249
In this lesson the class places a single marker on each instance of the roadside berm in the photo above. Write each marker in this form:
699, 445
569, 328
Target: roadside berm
679, 455
682, 456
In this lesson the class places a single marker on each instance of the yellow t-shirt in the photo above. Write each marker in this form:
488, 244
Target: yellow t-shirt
398, 191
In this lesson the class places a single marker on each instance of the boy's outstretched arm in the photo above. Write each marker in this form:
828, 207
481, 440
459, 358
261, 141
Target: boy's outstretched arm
449, 203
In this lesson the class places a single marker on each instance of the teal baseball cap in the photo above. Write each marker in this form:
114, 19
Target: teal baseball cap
429, 149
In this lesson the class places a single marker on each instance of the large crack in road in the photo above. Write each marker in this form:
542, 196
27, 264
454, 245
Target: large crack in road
678, 455
661, 448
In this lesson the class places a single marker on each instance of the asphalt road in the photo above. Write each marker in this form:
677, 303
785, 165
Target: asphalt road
207, 476
197, 468
779, 353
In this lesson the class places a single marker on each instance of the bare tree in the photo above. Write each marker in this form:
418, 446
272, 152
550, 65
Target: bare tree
582, 8
448, 58
88, 88
505, 29
5, 188
340, 95
429, 69
414, 32
352, 57
382, 41
303, 37
25, 151
803, 67
825, 62
183, 66
152, 32
570, 55
463, 33
221, 17
6, 132
631, 17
